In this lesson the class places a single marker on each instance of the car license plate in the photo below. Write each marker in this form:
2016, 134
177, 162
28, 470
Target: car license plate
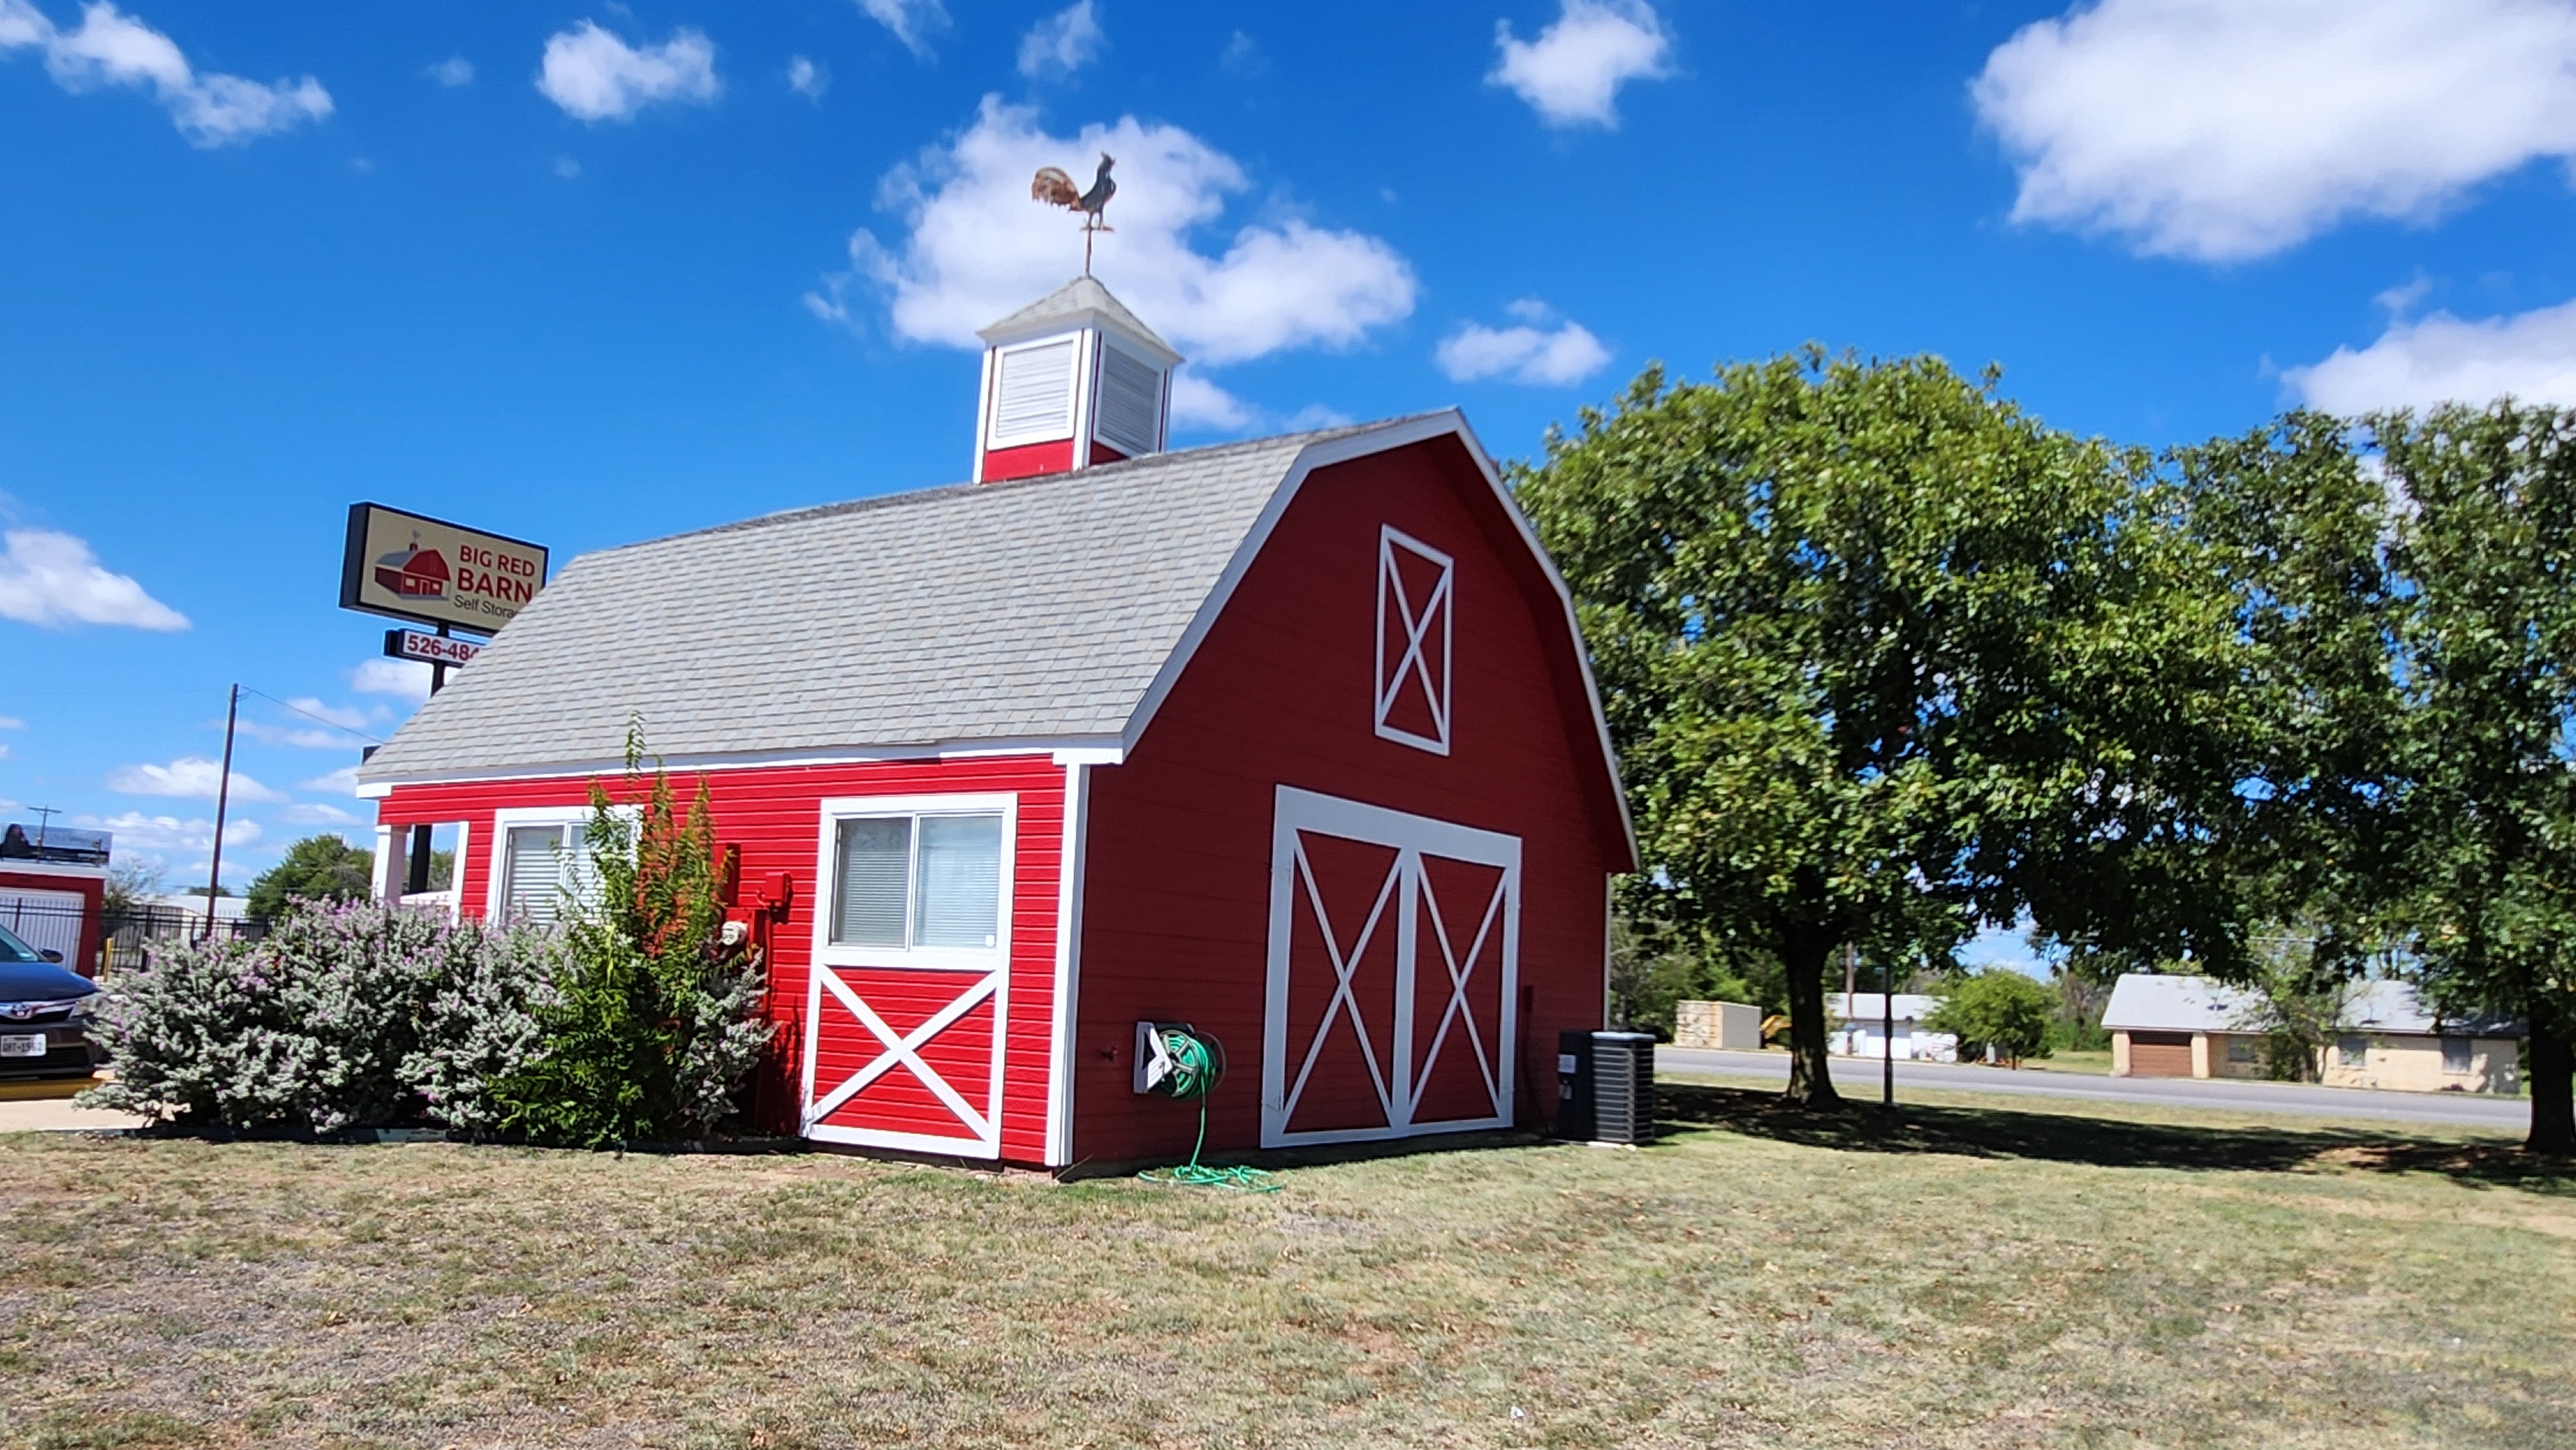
22, 1044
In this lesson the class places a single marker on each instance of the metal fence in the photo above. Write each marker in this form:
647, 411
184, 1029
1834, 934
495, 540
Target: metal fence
131, 935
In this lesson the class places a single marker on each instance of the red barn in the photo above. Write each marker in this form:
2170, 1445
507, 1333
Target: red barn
1292, 739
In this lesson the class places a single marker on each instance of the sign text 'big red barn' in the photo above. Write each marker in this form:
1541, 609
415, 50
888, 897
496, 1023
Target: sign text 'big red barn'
434, 572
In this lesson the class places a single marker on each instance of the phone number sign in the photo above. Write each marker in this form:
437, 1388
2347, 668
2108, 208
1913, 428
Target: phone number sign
411, 644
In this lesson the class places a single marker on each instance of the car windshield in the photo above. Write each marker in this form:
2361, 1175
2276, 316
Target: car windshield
14, 950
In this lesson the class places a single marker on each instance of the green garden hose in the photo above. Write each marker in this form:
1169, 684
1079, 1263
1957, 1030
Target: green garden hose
1196, 1070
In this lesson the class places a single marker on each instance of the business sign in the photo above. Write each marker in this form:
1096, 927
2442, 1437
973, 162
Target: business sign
430, 649
433, 572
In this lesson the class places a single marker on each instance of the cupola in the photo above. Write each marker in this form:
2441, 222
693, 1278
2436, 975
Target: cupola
1069, 381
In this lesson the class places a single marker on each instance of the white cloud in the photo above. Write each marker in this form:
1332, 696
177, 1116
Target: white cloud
807, 79
2442, 358
1572, 73
314, 813
1531, 352
12, 722
1198, 403
912, 21
137, 831
53, 579
1062, 43
456, 70
343, 781
190, 776
346, 716
402, 679
2226, 129
978, 248
112, 48
596, 76
4, 752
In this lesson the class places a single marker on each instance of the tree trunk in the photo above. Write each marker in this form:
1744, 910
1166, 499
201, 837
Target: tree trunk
2553, 1084
1811, 1084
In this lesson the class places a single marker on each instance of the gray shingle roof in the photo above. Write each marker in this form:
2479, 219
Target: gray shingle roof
1036, 609
1080, 297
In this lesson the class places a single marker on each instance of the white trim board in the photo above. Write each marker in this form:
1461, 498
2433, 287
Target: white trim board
1096, 749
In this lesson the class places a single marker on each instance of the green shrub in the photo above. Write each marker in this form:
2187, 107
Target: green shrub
1997, 1007
352, 1014
654, 1019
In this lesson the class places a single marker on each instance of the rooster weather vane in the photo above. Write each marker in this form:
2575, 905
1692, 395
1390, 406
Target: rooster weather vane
1053, 186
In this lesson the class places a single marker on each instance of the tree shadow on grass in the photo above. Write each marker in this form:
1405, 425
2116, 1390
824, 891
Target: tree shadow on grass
2067, 1137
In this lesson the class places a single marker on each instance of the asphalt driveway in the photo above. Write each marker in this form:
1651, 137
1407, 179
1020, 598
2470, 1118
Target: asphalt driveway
1859, 1077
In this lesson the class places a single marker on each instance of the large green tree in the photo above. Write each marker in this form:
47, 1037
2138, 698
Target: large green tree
317, 868
1884, 656
2487, 665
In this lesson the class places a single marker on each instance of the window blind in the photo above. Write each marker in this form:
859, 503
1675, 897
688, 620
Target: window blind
875, 866
1033, 394
532, 880
1131, 400
959, 903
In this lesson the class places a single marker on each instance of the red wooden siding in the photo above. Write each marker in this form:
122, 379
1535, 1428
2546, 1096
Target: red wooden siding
1028, 460
774, 814
1282, 691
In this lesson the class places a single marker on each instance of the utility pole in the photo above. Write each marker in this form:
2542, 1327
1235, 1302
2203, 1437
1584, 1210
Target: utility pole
1887, 1039
223, 798
44, 820
416, 863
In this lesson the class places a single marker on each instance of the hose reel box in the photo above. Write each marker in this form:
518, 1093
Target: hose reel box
1176, 1060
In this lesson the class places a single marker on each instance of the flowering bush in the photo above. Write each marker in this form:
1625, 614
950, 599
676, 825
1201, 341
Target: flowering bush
347, 1015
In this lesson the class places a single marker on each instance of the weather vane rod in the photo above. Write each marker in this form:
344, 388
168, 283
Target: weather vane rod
1054, 187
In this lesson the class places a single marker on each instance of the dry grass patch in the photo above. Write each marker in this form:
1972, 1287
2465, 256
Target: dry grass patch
1986, 1276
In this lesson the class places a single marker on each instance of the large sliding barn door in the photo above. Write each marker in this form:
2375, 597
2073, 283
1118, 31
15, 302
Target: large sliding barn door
1394, 954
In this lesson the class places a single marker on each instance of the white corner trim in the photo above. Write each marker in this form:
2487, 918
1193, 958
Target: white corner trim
1068, 966
373, 790
1090, 755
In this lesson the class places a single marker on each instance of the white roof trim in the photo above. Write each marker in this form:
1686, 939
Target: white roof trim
1447, 423
1087, 749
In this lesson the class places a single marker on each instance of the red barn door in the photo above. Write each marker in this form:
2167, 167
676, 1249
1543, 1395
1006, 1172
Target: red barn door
1394, 958
908, 1002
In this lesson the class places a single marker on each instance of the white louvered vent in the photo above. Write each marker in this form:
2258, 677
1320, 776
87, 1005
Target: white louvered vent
1131, 403
1033, 394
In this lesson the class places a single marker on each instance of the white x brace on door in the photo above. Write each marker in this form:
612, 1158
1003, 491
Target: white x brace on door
1394, 963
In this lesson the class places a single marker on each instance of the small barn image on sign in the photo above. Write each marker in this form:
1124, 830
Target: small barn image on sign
413, 572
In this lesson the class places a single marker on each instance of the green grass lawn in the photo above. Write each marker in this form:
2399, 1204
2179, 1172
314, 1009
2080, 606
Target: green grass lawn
1970, 1274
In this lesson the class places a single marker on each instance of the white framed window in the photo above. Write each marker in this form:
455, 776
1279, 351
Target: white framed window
1033, 393
1416, 597
915, 880
539, 863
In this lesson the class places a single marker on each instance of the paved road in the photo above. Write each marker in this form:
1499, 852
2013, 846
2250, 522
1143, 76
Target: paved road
1858, 1076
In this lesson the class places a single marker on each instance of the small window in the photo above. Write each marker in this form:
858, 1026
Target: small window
909, 882
2240, 1049
535, 876
2355, 1051
2456, 1053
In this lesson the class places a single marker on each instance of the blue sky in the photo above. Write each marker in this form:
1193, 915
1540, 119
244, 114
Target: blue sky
590, 273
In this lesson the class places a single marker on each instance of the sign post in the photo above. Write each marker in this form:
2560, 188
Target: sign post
427, 571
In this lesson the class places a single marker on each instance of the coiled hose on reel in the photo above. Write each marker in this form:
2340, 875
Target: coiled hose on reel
1193, 1065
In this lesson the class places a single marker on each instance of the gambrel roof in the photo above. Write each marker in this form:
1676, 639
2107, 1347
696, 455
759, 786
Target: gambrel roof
1042, 613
